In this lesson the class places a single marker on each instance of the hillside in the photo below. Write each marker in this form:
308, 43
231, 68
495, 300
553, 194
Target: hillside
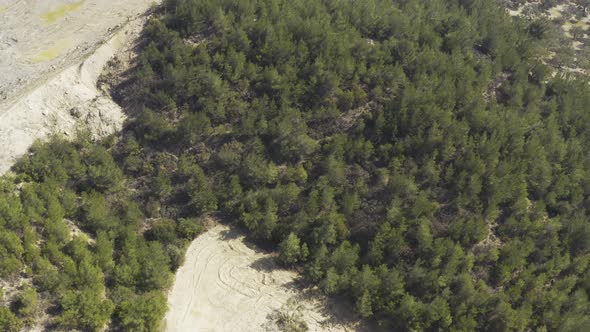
51, 55
416, 158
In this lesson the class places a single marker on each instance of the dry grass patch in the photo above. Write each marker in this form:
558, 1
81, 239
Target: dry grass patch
60, 12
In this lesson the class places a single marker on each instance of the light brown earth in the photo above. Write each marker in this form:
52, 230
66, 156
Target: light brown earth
40, 38
227, 284
51, 55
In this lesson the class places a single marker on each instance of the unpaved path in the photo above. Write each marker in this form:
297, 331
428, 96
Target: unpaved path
226, 284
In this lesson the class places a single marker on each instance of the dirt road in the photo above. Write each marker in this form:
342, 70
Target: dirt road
226, 284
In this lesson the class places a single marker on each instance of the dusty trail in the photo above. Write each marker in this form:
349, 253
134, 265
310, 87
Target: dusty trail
226, 284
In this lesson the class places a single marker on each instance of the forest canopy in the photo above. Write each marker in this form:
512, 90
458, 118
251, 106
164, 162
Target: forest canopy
413, 156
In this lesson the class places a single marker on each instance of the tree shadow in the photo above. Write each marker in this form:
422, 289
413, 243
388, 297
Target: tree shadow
230, 234
337, 309
265, 264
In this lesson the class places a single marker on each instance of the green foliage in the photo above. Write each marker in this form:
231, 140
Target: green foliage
414, 156
154, 267
364, 306
102, 172
11, 252
418, 151
77, 274
197, 187
26, 302
142, 313
104, 252
261, 217
8, 321
188, 229
290, 250
86, 310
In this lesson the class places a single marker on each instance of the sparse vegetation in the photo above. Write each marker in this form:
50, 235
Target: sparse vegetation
289, 317
564, 29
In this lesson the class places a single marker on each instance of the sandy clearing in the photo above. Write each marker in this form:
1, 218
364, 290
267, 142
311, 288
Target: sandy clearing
61, 101
40, 38
58, 106
226, 284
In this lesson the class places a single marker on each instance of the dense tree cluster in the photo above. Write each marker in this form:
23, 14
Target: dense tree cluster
415, 156
109, 273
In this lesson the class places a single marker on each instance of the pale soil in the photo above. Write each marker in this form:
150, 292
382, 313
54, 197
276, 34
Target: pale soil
227, 284
75, 231
39, 38
42, 98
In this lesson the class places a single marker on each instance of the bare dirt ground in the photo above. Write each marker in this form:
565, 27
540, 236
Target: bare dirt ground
227, 284
51, 56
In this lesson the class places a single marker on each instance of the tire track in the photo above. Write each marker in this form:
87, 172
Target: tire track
226, 292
